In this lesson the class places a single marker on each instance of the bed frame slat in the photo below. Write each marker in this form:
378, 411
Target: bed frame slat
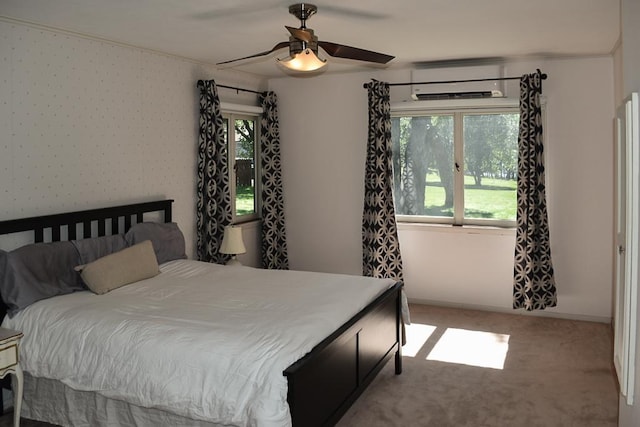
55, 233
86, 229
71, 231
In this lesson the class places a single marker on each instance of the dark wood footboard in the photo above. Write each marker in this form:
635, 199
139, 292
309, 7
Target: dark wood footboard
326, 382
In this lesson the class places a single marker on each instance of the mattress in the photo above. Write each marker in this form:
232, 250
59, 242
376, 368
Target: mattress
201, 341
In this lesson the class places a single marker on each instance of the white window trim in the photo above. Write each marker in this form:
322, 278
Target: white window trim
229, 108
239, 111
488, 105
453, 104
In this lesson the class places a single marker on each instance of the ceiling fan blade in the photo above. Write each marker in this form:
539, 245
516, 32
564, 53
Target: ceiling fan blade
345, 12
348, 52
300, 34
219, 12
266, 52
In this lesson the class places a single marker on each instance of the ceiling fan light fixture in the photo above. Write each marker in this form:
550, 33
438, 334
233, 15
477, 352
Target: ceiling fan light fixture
303, 46
306, 60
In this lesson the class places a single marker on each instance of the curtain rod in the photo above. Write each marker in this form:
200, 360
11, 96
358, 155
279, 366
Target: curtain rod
239, 89
543, 76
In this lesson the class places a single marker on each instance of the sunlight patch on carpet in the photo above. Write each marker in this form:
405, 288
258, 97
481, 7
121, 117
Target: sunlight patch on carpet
474, 348
417, 335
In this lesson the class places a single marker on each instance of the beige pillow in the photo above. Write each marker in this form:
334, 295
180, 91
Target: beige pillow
120, 268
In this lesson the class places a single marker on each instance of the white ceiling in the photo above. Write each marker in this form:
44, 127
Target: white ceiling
211, 31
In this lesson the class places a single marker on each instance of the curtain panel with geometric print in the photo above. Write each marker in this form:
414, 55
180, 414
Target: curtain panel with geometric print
213, 209
533, 279
274, 238
380, 244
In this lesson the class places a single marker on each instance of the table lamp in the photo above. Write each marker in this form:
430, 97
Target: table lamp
232, 244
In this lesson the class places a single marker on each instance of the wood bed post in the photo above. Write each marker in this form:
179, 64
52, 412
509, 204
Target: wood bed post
401, 332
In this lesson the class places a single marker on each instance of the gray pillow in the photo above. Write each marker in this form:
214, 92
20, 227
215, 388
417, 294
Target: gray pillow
167, 239
98, 247
38, 271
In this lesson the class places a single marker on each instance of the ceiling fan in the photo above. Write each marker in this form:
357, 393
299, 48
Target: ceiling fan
303, 46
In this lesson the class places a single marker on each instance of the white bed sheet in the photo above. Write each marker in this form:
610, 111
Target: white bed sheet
200, 340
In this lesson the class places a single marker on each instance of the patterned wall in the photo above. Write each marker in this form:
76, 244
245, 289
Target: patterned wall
85, 123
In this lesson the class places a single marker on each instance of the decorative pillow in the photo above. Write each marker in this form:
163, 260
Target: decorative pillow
129, 265
98, 247
37, 271
167, 239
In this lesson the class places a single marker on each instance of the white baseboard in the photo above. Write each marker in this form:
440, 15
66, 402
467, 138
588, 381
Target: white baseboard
537, 313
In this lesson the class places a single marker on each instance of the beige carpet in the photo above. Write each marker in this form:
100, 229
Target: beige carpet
555, 373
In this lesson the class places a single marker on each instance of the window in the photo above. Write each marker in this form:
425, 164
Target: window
456, 166
242, 139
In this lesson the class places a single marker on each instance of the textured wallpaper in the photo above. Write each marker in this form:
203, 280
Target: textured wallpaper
86, 123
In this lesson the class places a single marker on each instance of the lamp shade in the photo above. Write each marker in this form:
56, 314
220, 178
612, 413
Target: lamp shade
307, 60
232, 241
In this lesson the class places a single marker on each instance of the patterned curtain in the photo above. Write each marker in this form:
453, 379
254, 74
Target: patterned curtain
533, 280
274, 238
381, 248
213, 210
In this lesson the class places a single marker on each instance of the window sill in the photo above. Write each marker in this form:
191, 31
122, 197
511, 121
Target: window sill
248, 223
450, 228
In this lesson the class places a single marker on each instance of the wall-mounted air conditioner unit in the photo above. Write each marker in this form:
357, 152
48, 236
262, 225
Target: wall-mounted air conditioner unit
460, 90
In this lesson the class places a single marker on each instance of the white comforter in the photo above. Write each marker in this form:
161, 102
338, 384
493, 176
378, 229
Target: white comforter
204, 341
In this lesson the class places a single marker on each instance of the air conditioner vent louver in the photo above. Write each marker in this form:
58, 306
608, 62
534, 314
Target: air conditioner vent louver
457, 95
457, 83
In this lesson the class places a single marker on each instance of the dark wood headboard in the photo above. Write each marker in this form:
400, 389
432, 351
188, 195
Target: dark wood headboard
84, 220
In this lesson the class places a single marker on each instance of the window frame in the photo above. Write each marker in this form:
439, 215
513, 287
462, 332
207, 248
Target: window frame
230, 113
457, 108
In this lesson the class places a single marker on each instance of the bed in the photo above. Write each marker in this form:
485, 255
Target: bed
325, 375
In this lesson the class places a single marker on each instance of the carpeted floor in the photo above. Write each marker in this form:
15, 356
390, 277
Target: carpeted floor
555, 373
534, 372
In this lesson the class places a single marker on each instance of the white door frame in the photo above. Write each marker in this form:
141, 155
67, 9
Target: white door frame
627, 248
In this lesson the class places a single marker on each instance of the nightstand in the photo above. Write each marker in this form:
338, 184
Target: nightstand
10, 364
